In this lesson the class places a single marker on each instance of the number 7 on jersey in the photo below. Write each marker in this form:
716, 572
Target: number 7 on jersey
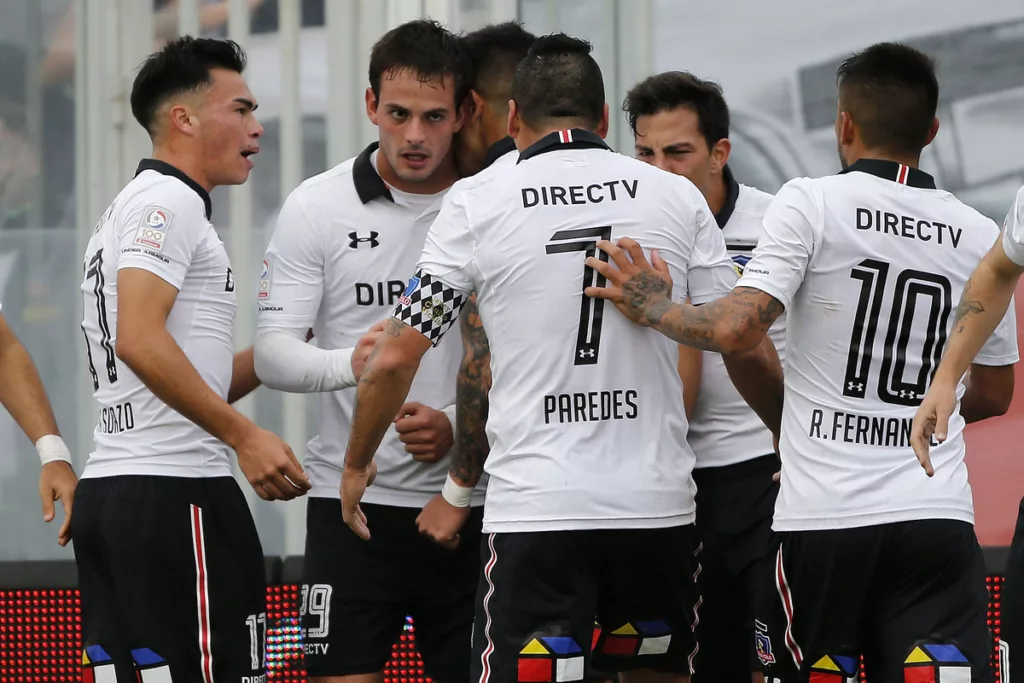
588, 338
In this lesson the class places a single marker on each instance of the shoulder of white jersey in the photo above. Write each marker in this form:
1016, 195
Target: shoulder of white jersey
162, 201
331, 186
753, 201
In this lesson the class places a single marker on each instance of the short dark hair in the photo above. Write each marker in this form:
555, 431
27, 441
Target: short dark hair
891, 92
675, 89
559, 79
424, 47
494, 52
182, 65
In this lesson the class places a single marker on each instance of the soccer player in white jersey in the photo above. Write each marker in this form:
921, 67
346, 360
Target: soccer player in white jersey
589, 509
344, 241
876, 559
680, 124
169, 562
483, 144
23, 395
985, 301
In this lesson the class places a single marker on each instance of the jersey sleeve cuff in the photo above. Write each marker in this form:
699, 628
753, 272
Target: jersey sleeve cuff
996, 361
165, 271
1013, 249
765, 286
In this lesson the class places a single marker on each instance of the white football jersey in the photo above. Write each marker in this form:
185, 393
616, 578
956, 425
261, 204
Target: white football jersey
870, 265
724, 430
344, 241
1013, 230
160, 222
586, 424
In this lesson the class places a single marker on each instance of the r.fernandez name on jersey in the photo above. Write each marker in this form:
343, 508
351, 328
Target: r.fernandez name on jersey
864, 430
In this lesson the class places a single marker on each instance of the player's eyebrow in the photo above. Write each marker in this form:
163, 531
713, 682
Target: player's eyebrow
249, 104
678, 147
642, 148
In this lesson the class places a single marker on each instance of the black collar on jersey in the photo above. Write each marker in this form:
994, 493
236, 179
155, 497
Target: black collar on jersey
369, 184
891, 170
167, 169
573, 138
498, 150
732, 193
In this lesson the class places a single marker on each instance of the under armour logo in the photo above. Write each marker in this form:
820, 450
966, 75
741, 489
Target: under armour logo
904, 393
856, 385
587, 353
229, 285
355, 240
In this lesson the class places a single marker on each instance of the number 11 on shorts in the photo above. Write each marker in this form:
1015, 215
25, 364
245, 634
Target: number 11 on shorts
257, 624
588, 338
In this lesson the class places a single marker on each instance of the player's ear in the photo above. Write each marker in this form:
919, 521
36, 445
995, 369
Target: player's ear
515, 123
846, 129
933, 132
720, 154
182, 119
474, 106
602, 126
371, 106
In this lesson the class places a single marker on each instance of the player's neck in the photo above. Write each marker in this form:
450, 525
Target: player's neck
495, 129
717, 193
911, 160
186, 163
443, 177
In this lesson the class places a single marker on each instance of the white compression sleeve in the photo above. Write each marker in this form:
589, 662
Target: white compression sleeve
284, 361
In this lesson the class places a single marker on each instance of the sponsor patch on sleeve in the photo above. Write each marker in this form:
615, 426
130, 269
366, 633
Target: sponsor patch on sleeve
152, 230
264, 290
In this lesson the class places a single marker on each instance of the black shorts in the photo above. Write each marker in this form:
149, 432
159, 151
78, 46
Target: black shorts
735, 506
171, 574
909, 597
1011, 636
540, 593
356, 594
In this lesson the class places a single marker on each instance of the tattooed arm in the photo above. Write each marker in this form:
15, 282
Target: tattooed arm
736, 323
381, 392
984, 303
472, 385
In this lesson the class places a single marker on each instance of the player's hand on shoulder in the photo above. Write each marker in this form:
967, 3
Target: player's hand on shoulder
270, 466
364, 347
426, 433
641, 290
58, 482
440, 521
932, 419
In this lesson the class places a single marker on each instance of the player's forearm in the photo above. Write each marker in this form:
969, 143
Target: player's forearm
757, 376
285, 361
471, 399
22, 392
735, 323
382, 391
244, 380
163, 367
983, 304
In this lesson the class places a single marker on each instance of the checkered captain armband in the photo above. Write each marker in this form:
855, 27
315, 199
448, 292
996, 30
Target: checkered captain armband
429, 306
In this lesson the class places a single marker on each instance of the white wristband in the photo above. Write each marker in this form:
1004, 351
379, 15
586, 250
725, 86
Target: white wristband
51, 447
456, 495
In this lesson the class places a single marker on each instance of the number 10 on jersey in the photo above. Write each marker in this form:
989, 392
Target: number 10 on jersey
588, 337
